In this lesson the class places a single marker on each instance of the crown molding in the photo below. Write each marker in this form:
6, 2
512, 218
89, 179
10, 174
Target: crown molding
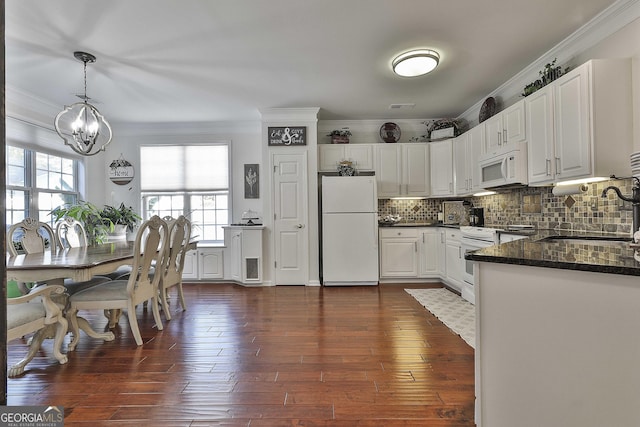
603, 25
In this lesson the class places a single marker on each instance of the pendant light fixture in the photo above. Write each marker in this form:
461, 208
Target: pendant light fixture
80, 125
415, 62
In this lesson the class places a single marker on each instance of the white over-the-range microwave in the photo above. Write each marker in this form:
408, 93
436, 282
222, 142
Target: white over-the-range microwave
504, 168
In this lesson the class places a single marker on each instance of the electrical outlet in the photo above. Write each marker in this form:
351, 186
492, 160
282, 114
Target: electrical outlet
624, 205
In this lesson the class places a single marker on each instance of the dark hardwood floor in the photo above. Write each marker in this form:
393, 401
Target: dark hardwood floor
277, 356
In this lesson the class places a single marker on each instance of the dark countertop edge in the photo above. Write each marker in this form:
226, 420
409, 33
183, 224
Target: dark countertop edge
561, 265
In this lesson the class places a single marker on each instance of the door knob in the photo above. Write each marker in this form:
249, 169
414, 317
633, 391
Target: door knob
300, 226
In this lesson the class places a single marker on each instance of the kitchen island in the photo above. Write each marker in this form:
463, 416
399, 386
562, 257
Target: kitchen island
558, 340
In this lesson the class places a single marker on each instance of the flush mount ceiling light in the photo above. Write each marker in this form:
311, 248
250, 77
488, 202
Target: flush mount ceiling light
80, 125
415, 62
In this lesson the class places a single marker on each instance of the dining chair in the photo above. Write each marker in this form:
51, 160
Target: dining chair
70, 233
30, 236
36, 313
27, 237
179, 236
142, 284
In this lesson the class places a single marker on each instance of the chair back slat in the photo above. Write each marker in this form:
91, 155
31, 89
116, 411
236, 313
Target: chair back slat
70, 233
149, 249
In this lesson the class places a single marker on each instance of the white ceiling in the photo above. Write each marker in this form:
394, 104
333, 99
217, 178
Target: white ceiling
224, 60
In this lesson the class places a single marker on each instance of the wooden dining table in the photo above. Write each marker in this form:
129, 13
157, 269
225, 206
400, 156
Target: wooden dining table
79, 264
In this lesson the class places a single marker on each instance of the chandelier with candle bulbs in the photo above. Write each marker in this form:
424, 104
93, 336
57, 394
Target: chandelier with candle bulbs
80, 125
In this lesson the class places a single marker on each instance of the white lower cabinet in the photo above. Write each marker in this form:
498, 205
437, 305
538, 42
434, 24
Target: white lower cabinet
398, 252
454, 259
204, 263
190, 271
442, 251
428, 244
421, 253
245, 250
211, 263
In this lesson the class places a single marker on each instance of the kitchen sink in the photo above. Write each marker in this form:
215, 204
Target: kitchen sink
588, 240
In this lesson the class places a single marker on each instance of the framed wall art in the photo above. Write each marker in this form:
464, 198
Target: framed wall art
287, 135
251, 181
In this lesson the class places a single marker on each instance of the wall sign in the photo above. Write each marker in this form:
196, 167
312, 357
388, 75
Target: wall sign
289, 135
121, 171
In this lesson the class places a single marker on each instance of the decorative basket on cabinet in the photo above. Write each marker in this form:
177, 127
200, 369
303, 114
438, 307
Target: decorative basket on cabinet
340, 136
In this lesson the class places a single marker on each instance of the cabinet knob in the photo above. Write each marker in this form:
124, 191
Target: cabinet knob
300, 226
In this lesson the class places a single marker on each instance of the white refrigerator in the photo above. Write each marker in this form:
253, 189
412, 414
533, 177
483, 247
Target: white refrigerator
349, 230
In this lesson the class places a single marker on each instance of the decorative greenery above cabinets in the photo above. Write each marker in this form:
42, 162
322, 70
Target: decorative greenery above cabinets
550, 73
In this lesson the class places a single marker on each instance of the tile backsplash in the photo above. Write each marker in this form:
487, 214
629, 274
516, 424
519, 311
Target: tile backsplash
536, 206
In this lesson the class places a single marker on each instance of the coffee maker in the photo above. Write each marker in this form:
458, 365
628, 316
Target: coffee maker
476, 217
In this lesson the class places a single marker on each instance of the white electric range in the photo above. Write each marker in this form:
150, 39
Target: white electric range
474, 238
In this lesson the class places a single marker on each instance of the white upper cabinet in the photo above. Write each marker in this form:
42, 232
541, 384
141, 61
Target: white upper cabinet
580, 126
330, 155
402, 170
467, 148
505, 128
442, 168
388, 169
416, 178
540, 149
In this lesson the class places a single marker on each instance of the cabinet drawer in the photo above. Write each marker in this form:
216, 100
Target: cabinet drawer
452, 235
398, 232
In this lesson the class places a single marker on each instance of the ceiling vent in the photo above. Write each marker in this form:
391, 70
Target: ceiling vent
401, 106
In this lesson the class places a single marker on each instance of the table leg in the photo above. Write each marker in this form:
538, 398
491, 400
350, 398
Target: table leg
114, 316
86, 327
49, 331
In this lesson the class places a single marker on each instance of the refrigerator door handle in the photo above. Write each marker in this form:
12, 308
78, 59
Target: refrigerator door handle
375, 233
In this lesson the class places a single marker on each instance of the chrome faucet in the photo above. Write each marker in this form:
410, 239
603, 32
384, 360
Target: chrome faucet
634, 199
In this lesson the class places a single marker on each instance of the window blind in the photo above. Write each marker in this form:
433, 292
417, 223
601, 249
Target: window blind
184, 167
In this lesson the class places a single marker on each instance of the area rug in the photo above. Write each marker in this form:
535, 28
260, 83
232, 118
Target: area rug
455, 312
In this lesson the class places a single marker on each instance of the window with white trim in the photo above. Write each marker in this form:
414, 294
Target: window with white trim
189, 180
38, 182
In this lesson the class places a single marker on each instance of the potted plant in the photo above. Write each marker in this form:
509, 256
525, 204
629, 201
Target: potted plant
89, 215
340, 136
121, 219
98, 223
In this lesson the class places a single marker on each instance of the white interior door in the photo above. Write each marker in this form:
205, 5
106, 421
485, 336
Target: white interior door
291, 234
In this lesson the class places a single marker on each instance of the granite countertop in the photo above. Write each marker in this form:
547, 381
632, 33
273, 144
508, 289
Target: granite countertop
542, 248
418, 224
